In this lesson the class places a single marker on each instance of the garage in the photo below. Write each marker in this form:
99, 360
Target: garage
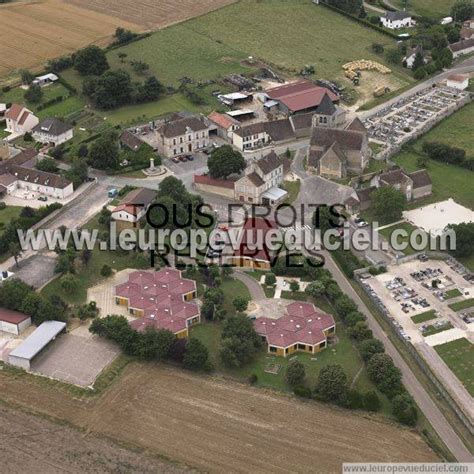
13, 322
35, 343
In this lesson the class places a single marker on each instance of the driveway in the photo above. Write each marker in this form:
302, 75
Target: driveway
37, 270
256, 291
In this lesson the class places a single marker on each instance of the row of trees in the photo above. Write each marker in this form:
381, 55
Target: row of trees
448, 154
152, 344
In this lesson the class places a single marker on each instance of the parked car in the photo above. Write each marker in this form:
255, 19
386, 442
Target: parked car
360, 222
42, 198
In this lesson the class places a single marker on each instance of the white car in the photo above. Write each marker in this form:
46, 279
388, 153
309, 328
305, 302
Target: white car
360, 222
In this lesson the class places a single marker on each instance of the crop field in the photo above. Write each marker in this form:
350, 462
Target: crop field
217, 425
33, 32
288, 35
152, 14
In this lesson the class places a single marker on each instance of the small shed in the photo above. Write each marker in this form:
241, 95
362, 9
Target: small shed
13, 322
458, 81
35, 343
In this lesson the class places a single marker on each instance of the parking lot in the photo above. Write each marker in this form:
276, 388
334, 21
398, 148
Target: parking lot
415, 296
398, 123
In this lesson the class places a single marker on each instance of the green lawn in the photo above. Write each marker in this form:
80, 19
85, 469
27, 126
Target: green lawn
343, 353
89, 275
8, 214
232, 289
423, 317
430, 330
408, 228
452, 293
212, 46
294, 295
464, 304
459, 357
293, 189
429, 8
468, 262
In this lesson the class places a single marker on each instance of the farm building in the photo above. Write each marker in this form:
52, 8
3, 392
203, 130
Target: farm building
259, 134
13, 322
458, 81
161, 300
222, 125
23, 355
235, 98
302, 329
462, 47
52, 131
299, 97
396, 20
133, 207
45, 79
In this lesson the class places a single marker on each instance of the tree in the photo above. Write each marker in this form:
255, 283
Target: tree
372, 401
122, 56
78, 172
69, 283
90, 61
196, 356
240, 303
87, 311
419, 61
111, 90
178, 349
462, 10
47, 164
173, 188
15, 251
315, 289
150, 90
393, 55
207, 310
294, 286
27, 77
453, 35
344, 305
384, 374
353, 318
464, 239
225, 161
360, 331
86, 256
370, 347
140, 67
226, 271
377, 48
404, 410
332, 383
104, 152
270, 279
34, 94
124, 36
388, 204
106, 271
154, 344
295, 373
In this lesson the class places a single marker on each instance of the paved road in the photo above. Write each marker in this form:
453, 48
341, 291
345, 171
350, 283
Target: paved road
256, 291
416, 389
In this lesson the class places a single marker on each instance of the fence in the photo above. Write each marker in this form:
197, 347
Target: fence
463, 417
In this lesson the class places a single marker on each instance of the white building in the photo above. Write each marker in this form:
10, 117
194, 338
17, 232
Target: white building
19, 120
52, 130
134, 206
13, 322
396, 20
458, 81
45, 79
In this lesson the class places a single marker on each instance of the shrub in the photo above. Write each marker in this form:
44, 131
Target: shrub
303, 392
2, 205
295, 373
404, 410
372, 401
253, 379
196, 356
106, 271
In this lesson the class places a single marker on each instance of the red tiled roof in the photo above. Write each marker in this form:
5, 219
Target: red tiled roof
12, 317
303, 324
223, 120
14, 111
221, 183
300, 95
254, 232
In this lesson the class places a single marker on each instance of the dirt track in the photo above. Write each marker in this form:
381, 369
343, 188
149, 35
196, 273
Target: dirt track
220, 426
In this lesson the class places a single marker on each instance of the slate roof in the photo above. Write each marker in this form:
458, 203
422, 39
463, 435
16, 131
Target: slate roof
461, 45
365, 193
302, 121
52, 126
356, 126
326, 107
255, 179
280, 130
178, 126
135, 201
347, 139
393, 177
251, 129
269, 162
31, 175
130, 140
420, 178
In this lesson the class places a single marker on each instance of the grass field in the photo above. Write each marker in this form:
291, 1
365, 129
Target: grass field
7, 215
293, 189
452, 293
464, 304
408, 228
430, 330
211, 46
429, 8
423, 317
459, 357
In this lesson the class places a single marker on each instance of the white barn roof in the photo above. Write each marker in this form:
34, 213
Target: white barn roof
38, 340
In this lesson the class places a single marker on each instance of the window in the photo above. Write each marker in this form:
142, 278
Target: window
180, 139
190, 137
174, 141
272, 349
301, 347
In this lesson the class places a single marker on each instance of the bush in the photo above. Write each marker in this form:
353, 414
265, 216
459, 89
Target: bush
404, 410
2, 205
106, 271
332, 383
372, 401
303, 392
295, 373
253, 379
270, 279
196, 356
385, 375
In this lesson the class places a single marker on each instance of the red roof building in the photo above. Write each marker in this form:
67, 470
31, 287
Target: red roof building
13, 322
303, 328
161, 300
300, 96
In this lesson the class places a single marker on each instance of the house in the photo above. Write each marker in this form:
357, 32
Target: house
422, 185
129, 140
52, 131
303, 329
160, 300
259, 134
261, 181
395, 20
133, 207
13, 322
252, 251
299, 97
19, 120
336, 152
180, 135
222, 124
409, 59
462, 47
45, 79
458, 81
328, 115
